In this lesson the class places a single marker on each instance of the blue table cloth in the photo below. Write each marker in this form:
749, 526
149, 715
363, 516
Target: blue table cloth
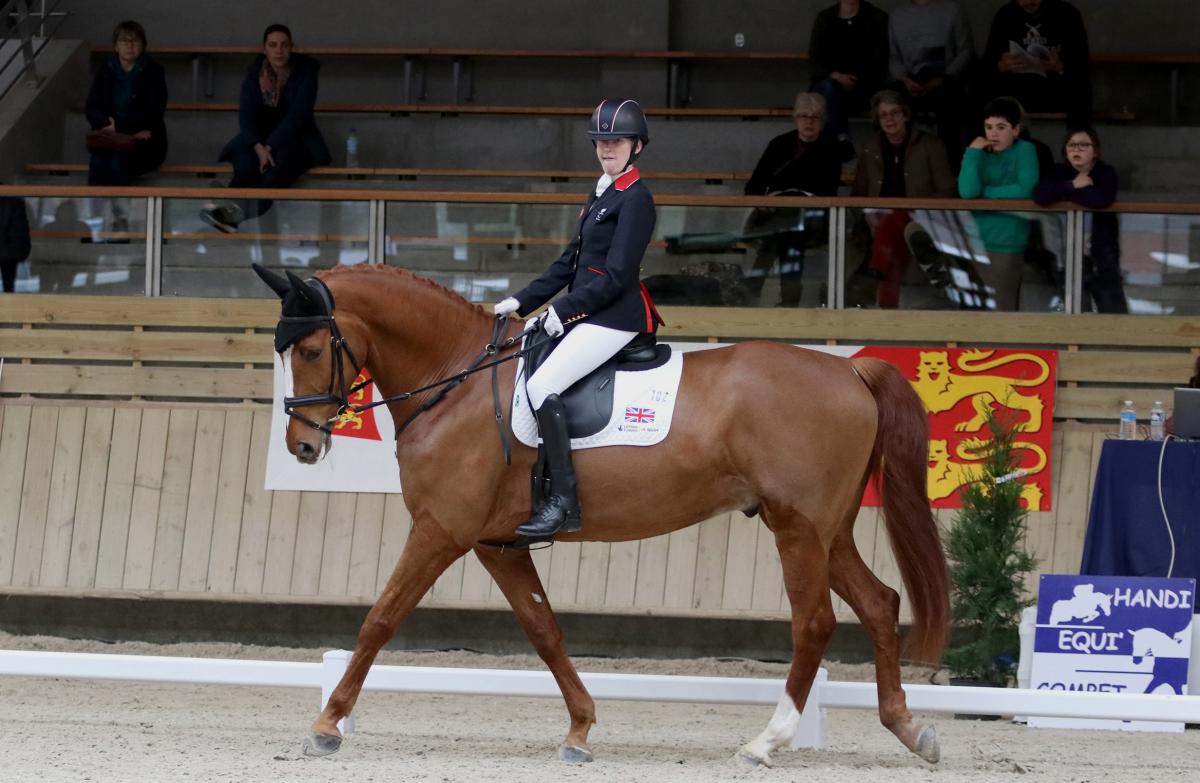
1126, 534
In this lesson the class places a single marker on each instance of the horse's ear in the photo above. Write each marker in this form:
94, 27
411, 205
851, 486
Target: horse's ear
279, 284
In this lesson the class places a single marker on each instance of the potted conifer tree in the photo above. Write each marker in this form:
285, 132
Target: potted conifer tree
988, 565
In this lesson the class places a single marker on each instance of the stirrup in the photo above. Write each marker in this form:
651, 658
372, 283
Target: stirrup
555, 515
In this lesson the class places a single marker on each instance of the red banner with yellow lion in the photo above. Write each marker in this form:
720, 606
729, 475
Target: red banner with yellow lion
959, 386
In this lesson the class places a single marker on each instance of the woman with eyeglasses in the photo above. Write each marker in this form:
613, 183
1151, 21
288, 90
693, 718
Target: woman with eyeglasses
128, 98
1084, 179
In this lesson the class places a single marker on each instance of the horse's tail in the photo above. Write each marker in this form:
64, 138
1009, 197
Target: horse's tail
901, 457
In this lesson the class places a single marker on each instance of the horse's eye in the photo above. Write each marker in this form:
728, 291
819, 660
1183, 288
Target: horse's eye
311, 355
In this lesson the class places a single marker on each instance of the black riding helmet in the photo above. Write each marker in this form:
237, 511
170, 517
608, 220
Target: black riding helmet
619, 118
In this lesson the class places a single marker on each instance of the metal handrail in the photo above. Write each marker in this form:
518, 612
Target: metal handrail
24, 33
377, 201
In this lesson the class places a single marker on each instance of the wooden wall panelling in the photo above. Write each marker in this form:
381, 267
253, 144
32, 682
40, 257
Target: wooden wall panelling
591, 584
173, 501
476, 581
14, 440
118, 498
256, 510
89, 501
650, 583
281, 542
202, 501
1040, 525
767, 593
885, 568
1071, 521
681, 567
339, 539
448, 587
365, 548
231, 495
35, 497
711, 554
620, 587
740, 555
147, 497
564, 573
62, 380
397, 523
64, 488
310, 543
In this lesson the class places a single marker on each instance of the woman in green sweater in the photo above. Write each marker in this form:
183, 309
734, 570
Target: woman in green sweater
1000, 165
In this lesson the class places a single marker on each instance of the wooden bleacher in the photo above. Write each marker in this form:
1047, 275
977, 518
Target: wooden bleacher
675, 59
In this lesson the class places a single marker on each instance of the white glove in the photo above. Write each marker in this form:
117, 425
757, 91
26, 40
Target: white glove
551, 323
506, 306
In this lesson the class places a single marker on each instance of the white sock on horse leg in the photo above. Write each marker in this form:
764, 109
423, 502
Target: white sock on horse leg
779, 731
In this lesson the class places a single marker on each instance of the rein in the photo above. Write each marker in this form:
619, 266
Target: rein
338, 345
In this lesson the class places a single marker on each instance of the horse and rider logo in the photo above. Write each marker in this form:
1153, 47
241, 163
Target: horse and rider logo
959, 387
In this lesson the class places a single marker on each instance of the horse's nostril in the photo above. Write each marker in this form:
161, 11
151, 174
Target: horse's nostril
304, 450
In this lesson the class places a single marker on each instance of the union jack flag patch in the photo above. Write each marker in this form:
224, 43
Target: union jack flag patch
639, 415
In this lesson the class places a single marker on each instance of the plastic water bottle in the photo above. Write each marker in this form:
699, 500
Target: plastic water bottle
1128, 430
352, 149
1158, 418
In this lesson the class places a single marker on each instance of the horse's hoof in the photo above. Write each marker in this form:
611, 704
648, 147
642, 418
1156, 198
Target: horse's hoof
322, 744
574, 754
747, 760
928, 747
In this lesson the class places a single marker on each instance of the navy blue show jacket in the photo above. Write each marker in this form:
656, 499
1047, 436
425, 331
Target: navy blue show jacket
600, 267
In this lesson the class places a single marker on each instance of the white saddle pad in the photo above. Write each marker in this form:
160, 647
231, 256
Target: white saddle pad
643, 402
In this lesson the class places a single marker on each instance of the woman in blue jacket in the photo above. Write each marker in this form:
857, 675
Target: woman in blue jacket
605, 306
278, 139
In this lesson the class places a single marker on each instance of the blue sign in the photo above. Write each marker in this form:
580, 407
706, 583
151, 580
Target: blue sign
1112, 634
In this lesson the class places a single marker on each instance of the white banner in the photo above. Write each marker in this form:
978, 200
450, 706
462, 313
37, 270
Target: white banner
362, 455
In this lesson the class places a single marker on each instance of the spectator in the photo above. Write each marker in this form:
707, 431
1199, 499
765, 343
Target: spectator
931, 52
800, 162
14, 239
127, 101
1037, 51
848, 53
1084, 179
900, 161
278, 139
1000, 165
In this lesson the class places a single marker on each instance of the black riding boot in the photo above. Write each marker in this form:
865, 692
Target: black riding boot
560, 511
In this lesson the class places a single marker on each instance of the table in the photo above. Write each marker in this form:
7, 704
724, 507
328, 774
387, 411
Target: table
1126, 534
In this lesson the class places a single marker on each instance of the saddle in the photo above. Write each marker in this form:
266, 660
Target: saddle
589, 402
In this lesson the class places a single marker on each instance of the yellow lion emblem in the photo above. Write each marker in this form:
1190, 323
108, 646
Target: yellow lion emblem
941, 388
946, 476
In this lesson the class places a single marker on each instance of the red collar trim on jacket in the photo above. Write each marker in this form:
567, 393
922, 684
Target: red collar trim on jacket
628, 178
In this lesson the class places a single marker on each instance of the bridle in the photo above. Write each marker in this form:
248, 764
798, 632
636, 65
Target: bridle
337, 378
337, 348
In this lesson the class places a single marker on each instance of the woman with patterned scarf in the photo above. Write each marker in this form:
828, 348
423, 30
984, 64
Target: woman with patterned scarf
278, 139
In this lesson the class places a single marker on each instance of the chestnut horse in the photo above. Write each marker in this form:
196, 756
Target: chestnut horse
791, 434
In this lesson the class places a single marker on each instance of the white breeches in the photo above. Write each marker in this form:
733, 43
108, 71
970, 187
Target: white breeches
585, 348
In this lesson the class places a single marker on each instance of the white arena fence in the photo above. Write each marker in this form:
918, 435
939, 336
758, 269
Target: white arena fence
633, 687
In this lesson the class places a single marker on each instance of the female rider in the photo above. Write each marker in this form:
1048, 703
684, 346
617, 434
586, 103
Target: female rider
605, 305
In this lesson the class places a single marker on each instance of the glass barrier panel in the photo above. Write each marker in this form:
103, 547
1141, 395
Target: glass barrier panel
200, 259
920, 259
1156, 270
84, 246
703, 256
